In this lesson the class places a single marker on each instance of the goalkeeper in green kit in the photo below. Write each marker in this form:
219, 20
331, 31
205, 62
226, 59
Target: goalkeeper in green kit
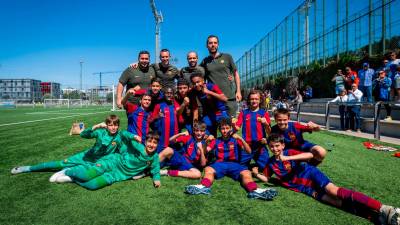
134, 159
108, 141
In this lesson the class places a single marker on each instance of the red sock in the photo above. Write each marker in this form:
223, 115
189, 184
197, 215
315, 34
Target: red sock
346, 194
251, 186
173, 173
206, 182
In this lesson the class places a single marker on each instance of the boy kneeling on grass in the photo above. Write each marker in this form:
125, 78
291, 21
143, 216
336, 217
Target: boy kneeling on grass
293, 173
226, 152
133, 160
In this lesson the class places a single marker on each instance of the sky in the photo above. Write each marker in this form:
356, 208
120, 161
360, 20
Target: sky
46, 39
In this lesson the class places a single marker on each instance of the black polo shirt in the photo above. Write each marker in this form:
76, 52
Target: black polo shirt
166, 74
139, 76
186, 72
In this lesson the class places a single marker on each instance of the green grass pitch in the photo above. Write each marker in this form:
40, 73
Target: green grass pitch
31, 199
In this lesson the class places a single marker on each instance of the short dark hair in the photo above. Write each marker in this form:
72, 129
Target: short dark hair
212, 36
152, 135
165, 50
224, 121
274, 137
155, 80
282, 111
112, 119
143, 52
196, 74
182, 81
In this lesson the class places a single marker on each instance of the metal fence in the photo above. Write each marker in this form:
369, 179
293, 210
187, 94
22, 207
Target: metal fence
319, 31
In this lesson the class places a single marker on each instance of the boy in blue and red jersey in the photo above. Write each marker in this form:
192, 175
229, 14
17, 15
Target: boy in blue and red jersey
157, 95
255, 123
139, 117
212, 100
186, 115
293, 173
293, 135
192, 160
165, 121
226, 152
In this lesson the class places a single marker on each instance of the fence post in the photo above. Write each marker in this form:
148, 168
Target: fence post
327, 125
377, 129
298, 111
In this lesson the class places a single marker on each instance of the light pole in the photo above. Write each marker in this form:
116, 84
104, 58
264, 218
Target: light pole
80, 82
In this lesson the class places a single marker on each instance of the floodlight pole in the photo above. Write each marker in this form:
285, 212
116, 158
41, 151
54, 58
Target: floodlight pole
158, 19
80, 82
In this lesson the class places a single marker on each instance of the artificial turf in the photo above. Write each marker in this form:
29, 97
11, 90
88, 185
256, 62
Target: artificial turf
31, 199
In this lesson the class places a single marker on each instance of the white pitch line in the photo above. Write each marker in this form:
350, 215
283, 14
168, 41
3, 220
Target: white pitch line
62, 117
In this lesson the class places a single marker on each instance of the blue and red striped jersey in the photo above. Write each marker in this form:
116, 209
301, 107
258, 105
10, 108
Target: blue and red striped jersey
293, 135
292, 174
252, 130
138, 120
191, 152
226, 150
211, 105
165, 122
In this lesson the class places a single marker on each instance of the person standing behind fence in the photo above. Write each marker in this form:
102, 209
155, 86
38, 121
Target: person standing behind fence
339, 80
353, 108
396, 81
382, 92
342, 100
365, 76
350, 78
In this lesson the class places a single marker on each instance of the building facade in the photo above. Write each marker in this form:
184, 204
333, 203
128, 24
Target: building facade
27, 90
50, 88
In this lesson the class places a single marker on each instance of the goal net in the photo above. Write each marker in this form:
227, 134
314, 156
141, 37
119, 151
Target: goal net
62, 103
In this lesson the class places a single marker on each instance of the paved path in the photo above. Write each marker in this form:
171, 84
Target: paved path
390, 140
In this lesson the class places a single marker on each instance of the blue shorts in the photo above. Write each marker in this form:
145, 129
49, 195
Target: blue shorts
307, 146
317, 182
230, 169
177, 162
258, 152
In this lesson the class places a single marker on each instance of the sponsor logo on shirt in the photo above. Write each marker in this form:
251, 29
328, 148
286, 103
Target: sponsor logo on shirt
222, 61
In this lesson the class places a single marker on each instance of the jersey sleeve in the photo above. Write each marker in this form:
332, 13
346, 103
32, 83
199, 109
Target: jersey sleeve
125, 76
232, 65
293, 152
216, 89
126, 136
130, 107
155, 168
183, 139
211, 146
140, 92
302, 128
239, 122
89, 133
240, 144
266, 116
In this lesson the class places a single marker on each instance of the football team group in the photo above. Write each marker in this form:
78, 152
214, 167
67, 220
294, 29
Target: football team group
184, 123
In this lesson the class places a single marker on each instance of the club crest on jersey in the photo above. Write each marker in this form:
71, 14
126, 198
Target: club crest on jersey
148, 163
292, 136
287, 165
113, 143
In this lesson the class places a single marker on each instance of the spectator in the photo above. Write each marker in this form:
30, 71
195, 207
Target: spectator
342, 100
299, 98
350, 78
339, 80
396, 81
365, 76
354, 96
308, 93
392, 60
382, 92
385, 62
